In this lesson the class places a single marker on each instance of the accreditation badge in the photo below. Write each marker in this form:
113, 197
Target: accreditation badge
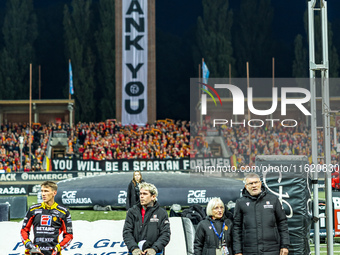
219, 251
222, 251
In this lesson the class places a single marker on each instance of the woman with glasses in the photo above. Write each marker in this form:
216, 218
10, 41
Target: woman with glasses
213, 234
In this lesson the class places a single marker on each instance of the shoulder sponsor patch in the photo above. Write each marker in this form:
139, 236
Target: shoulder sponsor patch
154, 218
268, 206
45, 220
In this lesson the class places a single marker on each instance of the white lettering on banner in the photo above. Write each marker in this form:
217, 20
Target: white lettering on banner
154, 165
149, 165
216, 162
82, 174
62, 164
198, 197
69, 197
12, 191
7, 177
134, 61
186, 164
88, 165
111, 166
122, 197
40, 177
126, 166
169, 165
82, 200
81, 165
69, 194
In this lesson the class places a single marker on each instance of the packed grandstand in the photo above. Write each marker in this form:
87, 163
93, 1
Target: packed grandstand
164, 139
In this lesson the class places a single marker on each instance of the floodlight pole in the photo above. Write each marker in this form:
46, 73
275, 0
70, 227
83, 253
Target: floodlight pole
323, 68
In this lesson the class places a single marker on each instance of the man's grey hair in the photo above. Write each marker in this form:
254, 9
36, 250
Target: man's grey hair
251, 175
212, 203
150, 187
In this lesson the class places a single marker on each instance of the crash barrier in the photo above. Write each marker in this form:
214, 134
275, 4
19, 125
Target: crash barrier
336, 206
17, 206
39, 176
322, 222
189, 235
4, 212
173, 188
102, 237
293, 188
19, 189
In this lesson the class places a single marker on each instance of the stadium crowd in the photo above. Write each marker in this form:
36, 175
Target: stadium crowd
165, 139
108, 140
267, 140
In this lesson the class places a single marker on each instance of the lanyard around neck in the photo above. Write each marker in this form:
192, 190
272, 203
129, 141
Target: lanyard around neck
218, 235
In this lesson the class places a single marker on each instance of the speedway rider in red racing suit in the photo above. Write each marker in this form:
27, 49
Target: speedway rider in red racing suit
49, 220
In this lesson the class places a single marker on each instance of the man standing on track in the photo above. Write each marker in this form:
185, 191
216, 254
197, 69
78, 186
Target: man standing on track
49, 220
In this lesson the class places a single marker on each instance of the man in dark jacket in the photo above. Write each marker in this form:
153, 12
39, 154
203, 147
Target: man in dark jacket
260, 223
146, 230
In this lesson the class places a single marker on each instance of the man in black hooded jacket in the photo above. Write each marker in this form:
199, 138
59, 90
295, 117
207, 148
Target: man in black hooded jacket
260, 223
146, 230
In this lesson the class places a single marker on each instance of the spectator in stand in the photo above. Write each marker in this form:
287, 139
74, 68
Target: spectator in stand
38, 168
132, 196
135, 142
160, 140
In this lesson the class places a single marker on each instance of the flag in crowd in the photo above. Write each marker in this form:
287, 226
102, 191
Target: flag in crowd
205, 74
48, 164
71, 78
233, 161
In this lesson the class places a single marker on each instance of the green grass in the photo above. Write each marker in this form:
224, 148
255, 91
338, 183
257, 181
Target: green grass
90, 215
323, 249
322, 195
